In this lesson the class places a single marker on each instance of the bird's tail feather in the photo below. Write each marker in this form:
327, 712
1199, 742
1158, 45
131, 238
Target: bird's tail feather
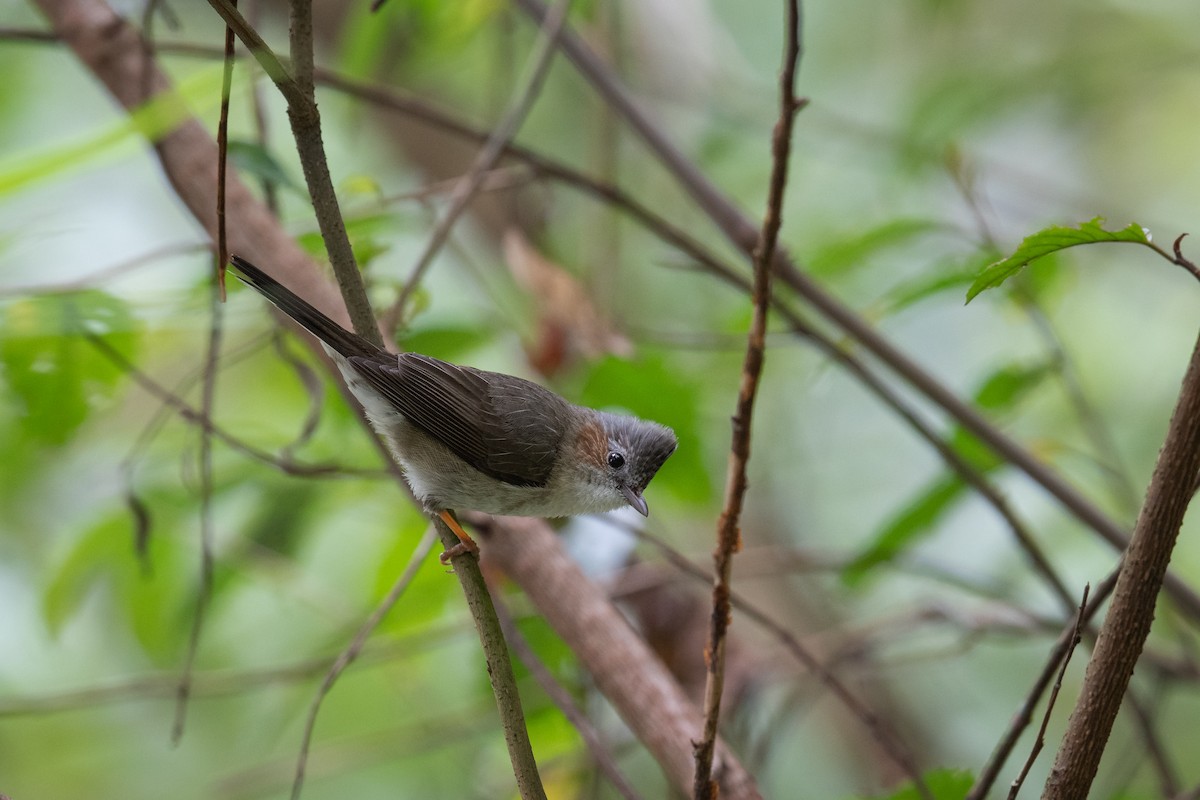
334, 335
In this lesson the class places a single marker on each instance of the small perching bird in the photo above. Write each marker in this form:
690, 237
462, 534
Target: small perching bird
469, 439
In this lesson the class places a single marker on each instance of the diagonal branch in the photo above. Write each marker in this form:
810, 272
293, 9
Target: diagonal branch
1125, 628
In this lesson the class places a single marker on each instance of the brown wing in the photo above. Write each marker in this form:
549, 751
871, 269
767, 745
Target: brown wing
505, 427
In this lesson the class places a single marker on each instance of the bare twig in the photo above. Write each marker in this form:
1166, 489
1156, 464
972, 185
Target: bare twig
347, 656
561, 698
728, 530
1040, 741
871, 721
207, 396
497, 142
1127, 624
1024, 716
205, 423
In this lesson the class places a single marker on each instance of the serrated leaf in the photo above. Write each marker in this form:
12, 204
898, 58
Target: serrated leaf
53, 374
1051, 240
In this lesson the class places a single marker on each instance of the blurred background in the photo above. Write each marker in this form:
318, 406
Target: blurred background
939, 133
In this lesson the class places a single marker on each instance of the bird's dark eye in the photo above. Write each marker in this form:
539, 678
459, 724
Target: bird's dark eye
616, 460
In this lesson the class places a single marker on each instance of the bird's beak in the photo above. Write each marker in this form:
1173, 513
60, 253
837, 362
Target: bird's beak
636, 500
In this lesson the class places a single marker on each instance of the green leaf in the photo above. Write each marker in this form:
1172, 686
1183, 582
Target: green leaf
1005, 387
54, 375
853, 251
1000, 391
941, 278
254, 159
915, 519
943, 784
81, 570
1051, 240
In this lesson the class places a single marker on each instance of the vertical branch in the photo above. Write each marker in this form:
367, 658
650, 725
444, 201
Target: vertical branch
208, 392
1125, 628
499, 667
728, 532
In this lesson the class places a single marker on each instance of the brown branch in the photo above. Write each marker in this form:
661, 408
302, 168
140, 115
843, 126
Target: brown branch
728, 531
208, 390
1127, 624
633, 679
499, 666
1040, 741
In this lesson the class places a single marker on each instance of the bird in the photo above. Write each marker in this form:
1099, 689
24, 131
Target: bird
470, 439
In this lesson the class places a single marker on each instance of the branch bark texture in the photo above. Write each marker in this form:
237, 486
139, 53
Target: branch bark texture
728, 524
1125, 628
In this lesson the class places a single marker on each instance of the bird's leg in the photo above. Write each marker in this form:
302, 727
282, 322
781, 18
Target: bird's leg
465, 545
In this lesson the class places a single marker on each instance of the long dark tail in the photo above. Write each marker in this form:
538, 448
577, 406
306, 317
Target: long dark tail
319, 325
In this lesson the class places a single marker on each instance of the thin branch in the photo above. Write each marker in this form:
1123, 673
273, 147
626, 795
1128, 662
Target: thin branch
497, 142
1024, 716
347, 656
1127, 624
1040, 741
207, 396
197, 417
562, 699
728, 530
499, 667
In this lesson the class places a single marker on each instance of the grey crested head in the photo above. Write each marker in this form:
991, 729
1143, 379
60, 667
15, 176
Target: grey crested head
637, 449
